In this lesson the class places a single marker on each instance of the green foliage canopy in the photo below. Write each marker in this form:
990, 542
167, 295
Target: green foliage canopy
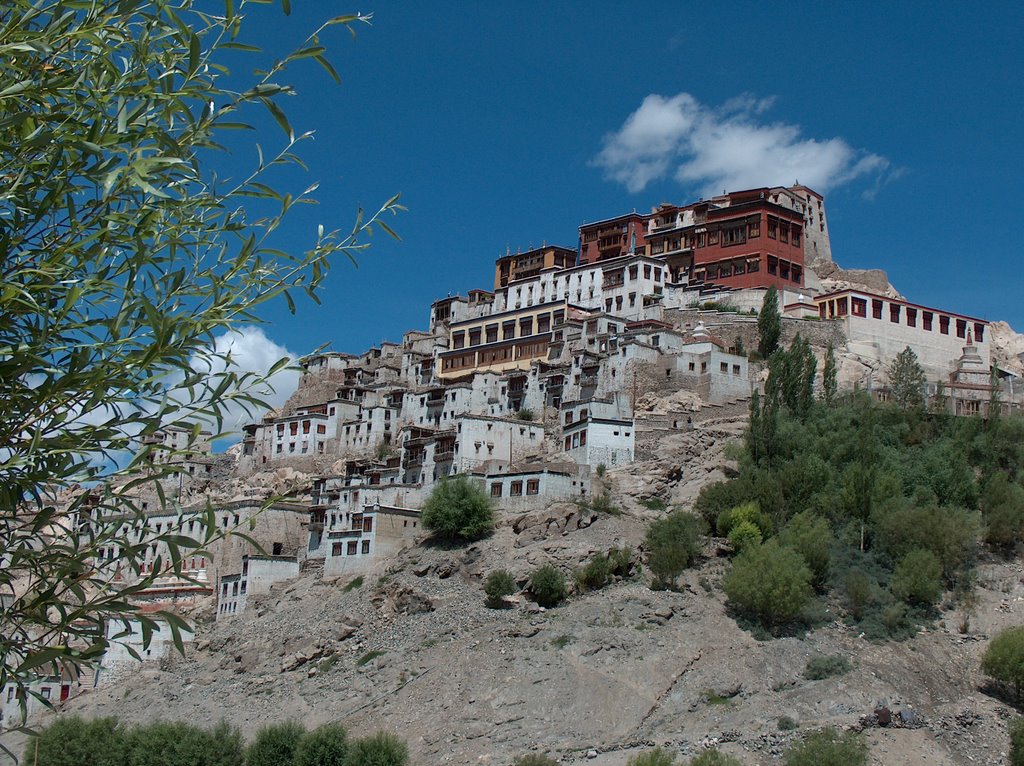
459, 509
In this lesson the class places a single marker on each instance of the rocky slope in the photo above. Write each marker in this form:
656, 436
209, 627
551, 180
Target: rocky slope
414, 650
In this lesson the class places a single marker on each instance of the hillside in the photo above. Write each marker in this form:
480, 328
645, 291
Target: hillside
414, 650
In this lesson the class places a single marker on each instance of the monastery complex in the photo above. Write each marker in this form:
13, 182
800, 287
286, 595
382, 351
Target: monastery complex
577, 361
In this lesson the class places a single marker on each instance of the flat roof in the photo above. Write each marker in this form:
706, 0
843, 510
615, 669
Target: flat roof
851, 290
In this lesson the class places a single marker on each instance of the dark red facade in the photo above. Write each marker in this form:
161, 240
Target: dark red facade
613, 238
743, 239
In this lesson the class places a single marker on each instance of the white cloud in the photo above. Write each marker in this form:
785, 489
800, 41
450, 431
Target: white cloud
248, 349
726, 148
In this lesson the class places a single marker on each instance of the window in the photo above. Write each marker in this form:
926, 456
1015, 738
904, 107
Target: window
703, 366
724, 367
647, 271
321, 429
568, 443
911, 317
46, 692
876, 308
735, 369
305, 426
773, 265
944, 324
796, 235
583, 438
533, 486
894, 313
961, 328
474, 336
753, 265
515, 489
926, 320
632, 300
773, 228
293, 428
368, 524
351, 549
492, 333
859, 307
692, 366
633, 270
784, 232
979, 332
496, 489
366, 546
525, 327
754, 229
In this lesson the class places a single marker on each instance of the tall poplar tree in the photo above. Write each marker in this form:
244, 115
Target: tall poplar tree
769, 324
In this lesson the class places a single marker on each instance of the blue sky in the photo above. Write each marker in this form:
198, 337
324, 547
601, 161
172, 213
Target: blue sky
502, 126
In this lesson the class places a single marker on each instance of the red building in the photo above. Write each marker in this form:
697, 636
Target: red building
752, 238
613, 238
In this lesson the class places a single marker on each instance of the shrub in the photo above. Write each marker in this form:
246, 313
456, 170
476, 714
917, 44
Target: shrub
1004, 659
811, 537
182, 744
769, 582
380, 749
918, 579
1002, 506
747, 512
535, 759
548, 586
951, 534
326, 746
655, 757
458, 509
499, 583
673, 544
275, 744
620, 560
828, 748
226, 747
859, 588
70, 741
601, 469
826, 666
1017, 742
715, 758
596, 573
787, 724
743, 536
355, 584
603, 503
525, 415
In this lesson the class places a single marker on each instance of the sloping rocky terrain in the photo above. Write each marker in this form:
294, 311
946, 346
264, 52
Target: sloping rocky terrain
412, 648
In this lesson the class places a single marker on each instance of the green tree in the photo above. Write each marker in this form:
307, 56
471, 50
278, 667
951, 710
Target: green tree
124, 259
917, 578
770, 582
178, 744
275, 744
459, 509
499, 583
325, 746
548, 586
71, 741
1004, 659
380, 749
769, 324
829, 376
811, 537
1002, 508
744, 535
828, 748
906, 380
673, 543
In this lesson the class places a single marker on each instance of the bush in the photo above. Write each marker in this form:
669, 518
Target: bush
769, 582
458, 509
548, 586
380, 749
918, 579
70, 741
1002, 507
326, 746
715, 758
673, 544
811, 537
275, 744
499, 583
787, 724
951, 534
744, 535
535, 759
596, 573
859, 589
525, 415
1017, 742
1004, 659
826, 666
182, 744
655, 757
747, 512
828, 748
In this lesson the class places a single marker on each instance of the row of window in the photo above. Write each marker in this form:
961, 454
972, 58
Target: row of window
515, 488
489, 333
351, 548
293, 427
914, 317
